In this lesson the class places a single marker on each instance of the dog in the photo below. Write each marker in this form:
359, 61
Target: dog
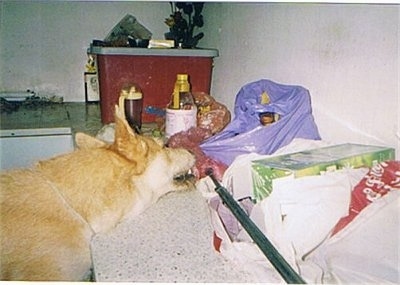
50, 212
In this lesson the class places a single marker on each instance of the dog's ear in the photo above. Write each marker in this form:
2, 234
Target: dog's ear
128, 144
84, 141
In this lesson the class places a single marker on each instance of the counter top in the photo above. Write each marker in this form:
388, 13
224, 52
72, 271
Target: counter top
169, 242
198, 52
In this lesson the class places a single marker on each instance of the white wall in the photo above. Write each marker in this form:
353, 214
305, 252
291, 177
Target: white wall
43, 43
347, 55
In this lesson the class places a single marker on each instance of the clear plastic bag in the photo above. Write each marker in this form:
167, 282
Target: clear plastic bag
245, 134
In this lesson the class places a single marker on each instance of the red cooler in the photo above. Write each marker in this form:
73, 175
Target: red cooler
154, 70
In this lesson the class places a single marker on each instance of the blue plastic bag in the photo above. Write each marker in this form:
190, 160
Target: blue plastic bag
245, 134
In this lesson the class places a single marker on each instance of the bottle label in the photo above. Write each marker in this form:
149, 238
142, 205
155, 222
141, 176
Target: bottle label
179, 120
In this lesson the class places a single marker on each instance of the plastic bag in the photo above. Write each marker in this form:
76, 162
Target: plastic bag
212, 115
191, 140
245, 134
381, 179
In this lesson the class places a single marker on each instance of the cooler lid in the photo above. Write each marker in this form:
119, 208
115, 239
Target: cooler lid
198, 52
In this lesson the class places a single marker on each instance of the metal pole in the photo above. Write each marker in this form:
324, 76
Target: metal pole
273, 255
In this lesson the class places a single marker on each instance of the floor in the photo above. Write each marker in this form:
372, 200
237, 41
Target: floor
170, 242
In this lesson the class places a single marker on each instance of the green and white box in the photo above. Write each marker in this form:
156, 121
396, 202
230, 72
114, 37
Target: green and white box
314, 162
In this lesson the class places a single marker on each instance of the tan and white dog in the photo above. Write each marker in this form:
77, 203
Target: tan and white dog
50, 213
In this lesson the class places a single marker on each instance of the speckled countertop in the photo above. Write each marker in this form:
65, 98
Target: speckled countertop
170, 242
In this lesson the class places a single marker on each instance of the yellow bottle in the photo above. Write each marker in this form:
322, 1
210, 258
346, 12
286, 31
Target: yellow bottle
181, 97
181, 113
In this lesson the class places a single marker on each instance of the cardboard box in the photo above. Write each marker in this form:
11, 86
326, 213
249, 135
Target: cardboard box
314, 162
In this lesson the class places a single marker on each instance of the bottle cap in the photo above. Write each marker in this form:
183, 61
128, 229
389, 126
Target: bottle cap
182, 76
134, 95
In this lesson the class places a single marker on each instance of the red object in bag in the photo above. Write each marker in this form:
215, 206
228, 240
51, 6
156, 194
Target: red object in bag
381, 179
191, 140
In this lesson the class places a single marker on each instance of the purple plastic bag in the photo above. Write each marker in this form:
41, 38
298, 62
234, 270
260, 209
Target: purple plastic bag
245, 134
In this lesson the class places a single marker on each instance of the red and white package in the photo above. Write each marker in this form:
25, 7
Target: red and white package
381, 179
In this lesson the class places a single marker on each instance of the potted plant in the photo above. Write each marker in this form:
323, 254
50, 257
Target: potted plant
184, 18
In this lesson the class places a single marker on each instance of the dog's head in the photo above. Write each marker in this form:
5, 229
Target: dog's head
146, 156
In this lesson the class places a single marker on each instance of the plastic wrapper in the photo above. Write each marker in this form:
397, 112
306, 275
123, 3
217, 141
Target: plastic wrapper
212, 115
191, 140
245, 134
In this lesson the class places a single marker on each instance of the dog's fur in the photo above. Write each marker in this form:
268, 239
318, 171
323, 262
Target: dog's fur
49, 213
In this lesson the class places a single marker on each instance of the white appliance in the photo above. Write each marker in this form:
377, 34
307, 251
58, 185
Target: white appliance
23, 147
